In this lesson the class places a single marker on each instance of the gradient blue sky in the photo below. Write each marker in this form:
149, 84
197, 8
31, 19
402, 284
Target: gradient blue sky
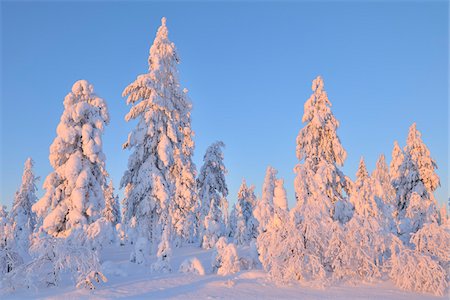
248, 67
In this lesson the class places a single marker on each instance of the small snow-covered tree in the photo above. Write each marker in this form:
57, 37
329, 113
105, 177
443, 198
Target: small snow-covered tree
415, 271
384, 193
434, 240
213, 227
419, 212
55, 256
4, 224
264, 207
22, 217
164, 253
417, 172
382, 186
112, 210
160, 178
225, 259
414, 186
74, 190
280, 247
246, 224
279, 197
10, 259
192, 265
366, 247
396, 161
362, 196
212, 191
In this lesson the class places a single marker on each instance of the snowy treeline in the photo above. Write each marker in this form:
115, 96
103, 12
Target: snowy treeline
386, 224
383, 224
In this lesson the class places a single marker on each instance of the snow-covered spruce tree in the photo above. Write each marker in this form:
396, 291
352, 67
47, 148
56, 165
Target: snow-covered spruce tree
112, 210
396, 161
74, 190
384, 194
279, 246
319, 187
164, 253
264, 207
382, 186
414, 270
160, 177
4, 224
212, 192
434, 240
362, 196
22, 217
246, 223
213, 227
415, 185
365, 236
224, 259
74, 198
417, 171
55, 258
10, 258
318, 146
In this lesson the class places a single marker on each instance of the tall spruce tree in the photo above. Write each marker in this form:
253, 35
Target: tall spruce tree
318, 146
160, 179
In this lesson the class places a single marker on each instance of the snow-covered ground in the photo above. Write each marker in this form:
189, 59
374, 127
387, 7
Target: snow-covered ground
129, 280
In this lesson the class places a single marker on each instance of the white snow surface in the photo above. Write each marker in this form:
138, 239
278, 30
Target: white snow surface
133, 281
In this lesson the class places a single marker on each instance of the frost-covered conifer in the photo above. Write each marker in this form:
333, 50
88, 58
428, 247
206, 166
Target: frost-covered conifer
264, 207
301, 241
280, 198
112, 209
4, 224
22, 217
279, 245
75, 189
212, 191
415, 271
55, 257
318, 146
246, 223
160, 178
362, 196
10, 259
417, 171
396, 161
192, 265
213, 226
164, 253
382, 186
225, 259
415, 185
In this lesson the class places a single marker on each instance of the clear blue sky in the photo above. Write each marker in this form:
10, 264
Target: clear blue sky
248, 67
